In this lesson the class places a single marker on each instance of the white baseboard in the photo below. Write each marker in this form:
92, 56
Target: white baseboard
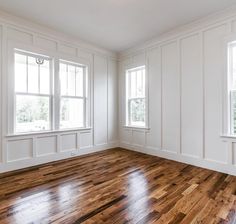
20, 164
200, 162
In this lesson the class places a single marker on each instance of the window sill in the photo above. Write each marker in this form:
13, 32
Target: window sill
136, 128
48, 132
228, 136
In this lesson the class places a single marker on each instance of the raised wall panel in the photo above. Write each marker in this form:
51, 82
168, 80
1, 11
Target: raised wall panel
170, 97
215, 149
85, 140
68, 142
100, 100
21, 36
191, 96
46, 145
138, 138
46, 43
112, 102
154, 80
126, 136
19, 149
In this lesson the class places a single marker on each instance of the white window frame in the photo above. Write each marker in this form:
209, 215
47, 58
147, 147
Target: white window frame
128, 99
85, 90
9, 125
227, 124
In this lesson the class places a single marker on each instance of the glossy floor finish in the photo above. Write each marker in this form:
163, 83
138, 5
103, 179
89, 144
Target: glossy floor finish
117, 186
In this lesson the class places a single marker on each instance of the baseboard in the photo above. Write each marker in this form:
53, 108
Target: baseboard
21, 164
195, 161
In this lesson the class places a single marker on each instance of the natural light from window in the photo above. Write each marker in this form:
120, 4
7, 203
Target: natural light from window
32, 92
73, 81
136, 97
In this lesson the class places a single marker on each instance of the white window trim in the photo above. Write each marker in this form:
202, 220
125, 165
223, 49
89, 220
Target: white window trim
50, 95
56, 57
126, 116
226, 101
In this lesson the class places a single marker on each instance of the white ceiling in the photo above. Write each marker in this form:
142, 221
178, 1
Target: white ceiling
114, 24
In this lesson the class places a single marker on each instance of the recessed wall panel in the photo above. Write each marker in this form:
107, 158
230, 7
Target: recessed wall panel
46, 145
19, 149
68, 142
154, 81
215, 149
191, 96
100, 100
170, 98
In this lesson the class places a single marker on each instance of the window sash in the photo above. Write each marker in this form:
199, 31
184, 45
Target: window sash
36, 95
129, 110
68, 96
27, 93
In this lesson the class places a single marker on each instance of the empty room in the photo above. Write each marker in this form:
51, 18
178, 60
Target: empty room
118, 111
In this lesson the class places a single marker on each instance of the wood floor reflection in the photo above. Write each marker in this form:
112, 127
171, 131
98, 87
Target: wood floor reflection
117, 186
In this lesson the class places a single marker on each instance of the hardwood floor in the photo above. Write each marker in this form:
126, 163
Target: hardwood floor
117, 186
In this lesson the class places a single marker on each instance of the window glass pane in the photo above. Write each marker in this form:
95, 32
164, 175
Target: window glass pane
140, 84
234, 68
33, 75
71, 80
133, 84
63, 79
79, 81
137, 112
20, 73
45, 78
32, 113
72, 113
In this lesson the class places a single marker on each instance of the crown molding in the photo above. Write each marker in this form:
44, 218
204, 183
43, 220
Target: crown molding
204, 23
11, 20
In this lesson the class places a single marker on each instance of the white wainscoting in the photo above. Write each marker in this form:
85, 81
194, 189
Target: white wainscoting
27, 150
185, 69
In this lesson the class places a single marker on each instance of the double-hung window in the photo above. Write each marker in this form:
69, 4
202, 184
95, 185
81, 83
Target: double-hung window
73, 79
136, 97
33, 96
46, 98
232, 87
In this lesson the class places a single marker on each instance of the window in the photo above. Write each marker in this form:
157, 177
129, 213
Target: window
73, 81
45, 100
32, 92
232, 86
136, 97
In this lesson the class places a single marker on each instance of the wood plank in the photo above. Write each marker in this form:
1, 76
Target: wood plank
117, 186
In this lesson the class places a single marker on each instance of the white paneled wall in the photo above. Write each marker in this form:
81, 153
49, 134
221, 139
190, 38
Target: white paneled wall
191, 96
100, 100
185, 70
215, 149
170, 98
19, 151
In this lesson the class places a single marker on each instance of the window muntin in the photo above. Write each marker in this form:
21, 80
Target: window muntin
73, 82
136, 97
32, 92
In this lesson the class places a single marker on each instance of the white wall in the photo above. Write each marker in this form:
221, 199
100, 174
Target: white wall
185, 73
27, 150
